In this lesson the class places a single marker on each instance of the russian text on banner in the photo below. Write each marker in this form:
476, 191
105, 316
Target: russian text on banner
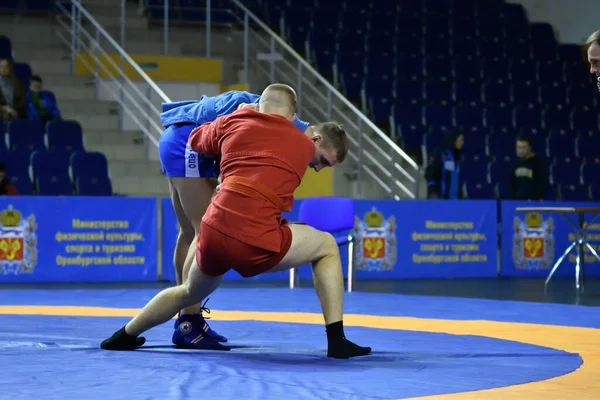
532, 242
425, 239
77, 239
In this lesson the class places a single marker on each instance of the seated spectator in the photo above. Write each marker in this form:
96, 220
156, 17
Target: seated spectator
529, 175
41, 105
443, 172
6, 188
13, 101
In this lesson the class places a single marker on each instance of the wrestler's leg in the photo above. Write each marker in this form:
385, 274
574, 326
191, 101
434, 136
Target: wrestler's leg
310, 245
194, 195
186, 235
162, 308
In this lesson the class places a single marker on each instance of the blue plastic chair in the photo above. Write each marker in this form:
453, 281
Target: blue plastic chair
334, 215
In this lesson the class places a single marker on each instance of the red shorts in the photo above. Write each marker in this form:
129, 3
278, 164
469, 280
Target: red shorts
217, 253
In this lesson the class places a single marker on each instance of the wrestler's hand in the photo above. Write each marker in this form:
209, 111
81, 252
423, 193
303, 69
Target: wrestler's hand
252, 106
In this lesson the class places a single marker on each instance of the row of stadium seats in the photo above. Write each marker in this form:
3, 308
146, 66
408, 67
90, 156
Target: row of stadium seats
59, 173
479, 168
574, 192
28, 135
501, 143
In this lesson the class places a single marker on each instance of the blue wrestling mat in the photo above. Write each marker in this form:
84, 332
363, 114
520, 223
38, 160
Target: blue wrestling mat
422, 346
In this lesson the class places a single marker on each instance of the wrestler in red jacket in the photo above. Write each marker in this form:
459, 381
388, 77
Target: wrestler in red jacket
263, 160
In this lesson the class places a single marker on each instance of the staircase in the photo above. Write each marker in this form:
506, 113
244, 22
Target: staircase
35, 42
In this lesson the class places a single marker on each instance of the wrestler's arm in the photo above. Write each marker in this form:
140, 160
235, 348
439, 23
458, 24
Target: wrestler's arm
206, 138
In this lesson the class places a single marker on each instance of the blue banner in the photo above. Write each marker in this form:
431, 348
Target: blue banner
399, 239
533, 242
425, 239
77, 239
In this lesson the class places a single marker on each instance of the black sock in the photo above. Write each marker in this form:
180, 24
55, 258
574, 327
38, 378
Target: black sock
121, 340
340, 347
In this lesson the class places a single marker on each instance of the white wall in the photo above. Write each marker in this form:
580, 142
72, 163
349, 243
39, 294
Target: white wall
573, 20
176, 91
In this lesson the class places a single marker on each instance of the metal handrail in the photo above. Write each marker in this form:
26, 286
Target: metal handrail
149, 81
324, 81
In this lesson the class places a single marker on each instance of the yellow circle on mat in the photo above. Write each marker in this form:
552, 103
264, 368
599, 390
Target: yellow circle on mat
582, 383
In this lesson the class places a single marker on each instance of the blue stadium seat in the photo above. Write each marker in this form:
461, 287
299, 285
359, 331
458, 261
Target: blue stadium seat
434, 139
155, 9
355, 19
353, 83
381, 41
498, 116
438, 115
384, 6
93, 186
499, 171
438, 92
496, 94
489, 48
583, 95
491, 29
17, 162
323, 48
436, 44
595, 192
298, 35
468, 116
408, 114
524, 93
539, 143
51, 185
520, 50
474, 167
495, 69
588, 144
547, 52
514, 15
22, 183
381, 63
557, 117
585, 119
550, 71
410, 70
49, 163
574, 192
25, 135
503, 189
383, 21
5, 48
475, 142
543, 34
379, 85
566, 170
409, 93
412, 134
23, 72
412, 8
570, 53
466, 70
528, 118
579, 74
464, 47
39, 5
551, 192
467, 93
437, 67
591, 170
381, 110
561, 143
480, 190
437, 25
501, 143
465, 11
522, 70
65, 135
408, 45
553, 95
88, 164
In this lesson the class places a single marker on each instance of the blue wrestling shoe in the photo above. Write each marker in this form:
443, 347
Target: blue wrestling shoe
192, 332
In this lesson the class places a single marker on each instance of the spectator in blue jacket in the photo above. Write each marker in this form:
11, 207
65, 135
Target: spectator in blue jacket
41, 105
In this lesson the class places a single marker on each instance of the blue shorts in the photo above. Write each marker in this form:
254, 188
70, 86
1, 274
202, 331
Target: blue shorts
179, 160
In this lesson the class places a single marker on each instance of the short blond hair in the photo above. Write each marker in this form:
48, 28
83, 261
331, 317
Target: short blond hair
593, 39
280, 95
